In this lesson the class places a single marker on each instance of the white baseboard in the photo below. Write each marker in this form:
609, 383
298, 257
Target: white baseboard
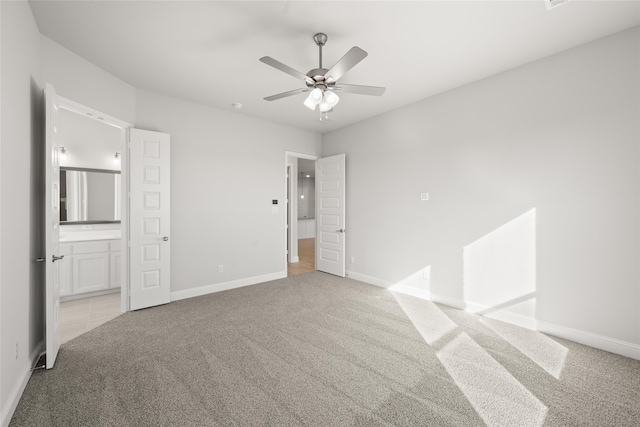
16, 393
524, 321
612, 345
224, 286
370, 280
414, 292
295, 259
601, 342
447, 300
14, 397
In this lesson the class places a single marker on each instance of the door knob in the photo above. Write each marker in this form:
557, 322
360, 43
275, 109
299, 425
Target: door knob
340, 231
165, 238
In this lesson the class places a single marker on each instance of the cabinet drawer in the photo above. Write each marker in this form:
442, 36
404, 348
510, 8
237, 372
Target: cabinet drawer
90, 247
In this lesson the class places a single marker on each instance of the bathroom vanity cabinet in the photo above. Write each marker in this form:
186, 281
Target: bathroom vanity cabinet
89, 267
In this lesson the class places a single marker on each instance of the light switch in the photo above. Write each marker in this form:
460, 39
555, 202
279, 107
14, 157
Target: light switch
424, 196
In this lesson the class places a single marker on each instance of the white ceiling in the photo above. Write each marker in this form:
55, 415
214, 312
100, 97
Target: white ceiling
207, 51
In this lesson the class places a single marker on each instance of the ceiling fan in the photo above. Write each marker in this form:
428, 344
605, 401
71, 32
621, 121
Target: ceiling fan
323, 83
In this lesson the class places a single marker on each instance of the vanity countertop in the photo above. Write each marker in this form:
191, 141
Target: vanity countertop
84, 236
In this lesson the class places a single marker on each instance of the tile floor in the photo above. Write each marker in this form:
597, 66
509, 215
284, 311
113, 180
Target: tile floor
82, 315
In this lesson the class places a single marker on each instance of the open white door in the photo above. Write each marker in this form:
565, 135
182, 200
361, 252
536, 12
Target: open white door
330, 209
149, 227
52, 227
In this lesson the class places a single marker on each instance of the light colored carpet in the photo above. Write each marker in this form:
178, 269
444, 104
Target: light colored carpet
318, 350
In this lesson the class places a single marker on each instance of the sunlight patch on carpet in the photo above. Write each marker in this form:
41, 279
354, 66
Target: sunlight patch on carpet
494, 393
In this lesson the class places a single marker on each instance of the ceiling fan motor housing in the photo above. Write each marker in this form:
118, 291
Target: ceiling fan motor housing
318, 77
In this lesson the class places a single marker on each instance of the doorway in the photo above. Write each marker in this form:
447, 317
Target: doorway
300, 216
90, 272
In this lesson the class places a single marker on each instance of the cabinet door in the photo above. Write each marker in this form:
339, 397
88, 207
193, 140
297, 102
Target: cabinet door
66, 277
115, 268
90, 272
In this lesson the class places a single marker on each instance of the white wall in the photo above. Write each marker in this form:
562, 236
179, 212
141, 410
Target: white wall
225, 170
560, 136
77, 79
89, 143
20, 170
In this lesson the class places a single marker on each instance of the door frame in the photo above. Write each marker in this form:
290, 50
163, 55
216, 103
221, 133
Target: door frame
83, 110
292, 210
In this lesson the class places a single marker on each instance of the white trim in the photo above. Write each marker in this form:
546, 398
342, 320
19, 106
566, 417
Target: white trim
612, 345
414, 292
89, 112
506, 316
369, 279
14, 397
291, 208
16, 393
224, 286
447, 300
601, 342
124, 221
290, 230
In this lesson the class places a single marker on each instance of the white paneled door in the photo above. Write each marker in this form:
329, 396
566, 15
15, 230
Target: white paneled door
330, 209
149, 226
52, 227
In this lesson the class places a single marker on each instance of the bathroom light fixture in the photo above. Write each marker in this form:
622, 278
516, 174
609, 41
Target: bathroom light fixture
62, 153
116, 157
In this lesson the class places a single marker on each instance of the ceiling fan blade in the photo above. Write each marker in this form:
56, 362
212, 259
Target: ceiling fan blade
285, 94
285, 68
347, 62
361, 90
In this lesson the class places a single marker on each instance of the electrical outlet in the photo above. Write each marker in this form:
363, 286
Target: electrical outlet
15, 355
353, 260
220, 268
424, 196
87, 227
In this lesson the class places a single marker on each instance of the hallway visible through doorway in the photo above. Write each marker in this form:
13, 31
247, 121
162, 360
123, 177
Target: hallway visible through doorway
307, 255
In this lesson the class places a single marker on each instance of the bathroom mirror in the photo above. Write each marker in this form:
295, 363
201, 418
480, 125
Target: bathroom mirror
89, 196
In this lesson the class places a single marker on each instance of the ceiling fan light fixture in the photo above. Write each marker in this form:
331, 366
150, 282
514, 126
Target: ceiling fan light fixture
324, 106
331, 98
321, 82
314, 98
